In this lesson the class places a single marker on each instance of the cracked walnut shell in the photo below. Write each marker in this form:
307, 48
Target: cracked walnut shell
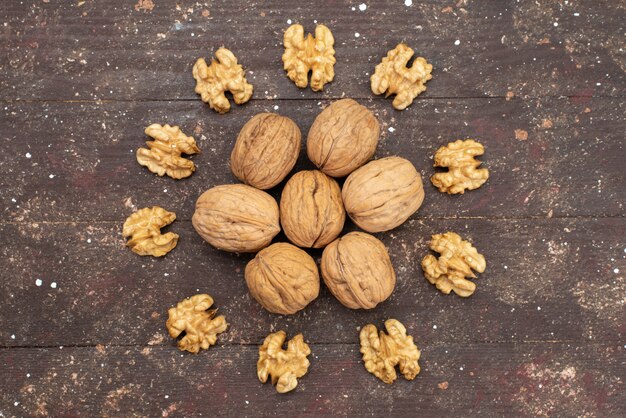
225, 74
463, 172
283, 278
199, 325
236, 218
382, 352
455, 263
314, 54
357, 270
266, 150
392, 76
163, 155
284, 366
144, 230
311, 210
383, 193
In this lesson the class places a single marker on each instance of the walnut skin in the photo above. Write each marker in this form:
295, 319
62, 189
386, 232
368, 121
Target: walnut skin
357, 270
455, 263
285, 366
311, 210
221, 76
383, 194
163, 155
144, 229
266, 150
463, 172
283, 278
342, 138
382, 352
200, 325
309, 54
392, 76
236, 218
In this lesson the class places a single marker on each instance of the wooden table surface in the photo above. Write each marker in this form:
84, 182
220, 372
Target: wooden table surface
540, 83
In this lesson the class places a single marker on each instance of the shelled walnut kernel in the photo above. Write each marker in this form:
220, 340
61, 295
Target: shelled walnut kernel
463, 172
144, 230
284, 366
163, 155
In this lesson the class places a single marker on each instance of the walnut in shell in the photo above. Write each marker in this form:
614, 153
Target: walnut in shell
199, 325
455, 263
144, 230
284, 366
383, 352
383, 194
222, 75
266, 150
309, 54
342, 138
283, 278
392, 76
463, 172
311, 210
163, 155
236, 218
357, 270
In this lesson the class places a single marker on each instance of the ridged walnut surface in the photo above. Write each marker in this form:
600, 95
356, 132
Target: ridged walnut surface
383, 352
311, 210
357, 270
383, 193
284, 366
222, 75
463, 172
314, 54
455, 263
266, 150
283, 278
236, 218
199, 324
144, 230
342, 138
392, 76
163, 155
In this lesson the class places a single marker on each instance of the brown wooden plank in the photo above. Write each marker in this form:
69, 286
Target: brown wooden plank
109, 50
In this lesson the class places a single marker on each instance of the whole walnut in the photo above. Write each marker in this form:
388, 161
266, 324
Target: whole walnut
342, 138
357, 270
383, 194
311, 210
266, 150
283, 278
236, 218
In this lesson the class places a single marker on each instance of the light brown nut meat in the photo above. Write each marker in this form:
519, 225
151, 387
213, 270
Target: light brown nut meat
357, 270
199, 325
284, 366
266, 150
311, 210
163, 155
383, 352
342, 138
463, 172
392, 76
309, 54
383, 193
144, 230
455, 263
283, 278
236, 218
222, 75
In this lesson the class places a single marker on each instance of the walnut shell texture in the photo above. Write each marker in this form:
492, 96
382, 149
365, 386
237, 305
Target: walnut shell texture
311, 210
266, 150
382, 194
236, 218
283, 278
342, 138
357, 270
